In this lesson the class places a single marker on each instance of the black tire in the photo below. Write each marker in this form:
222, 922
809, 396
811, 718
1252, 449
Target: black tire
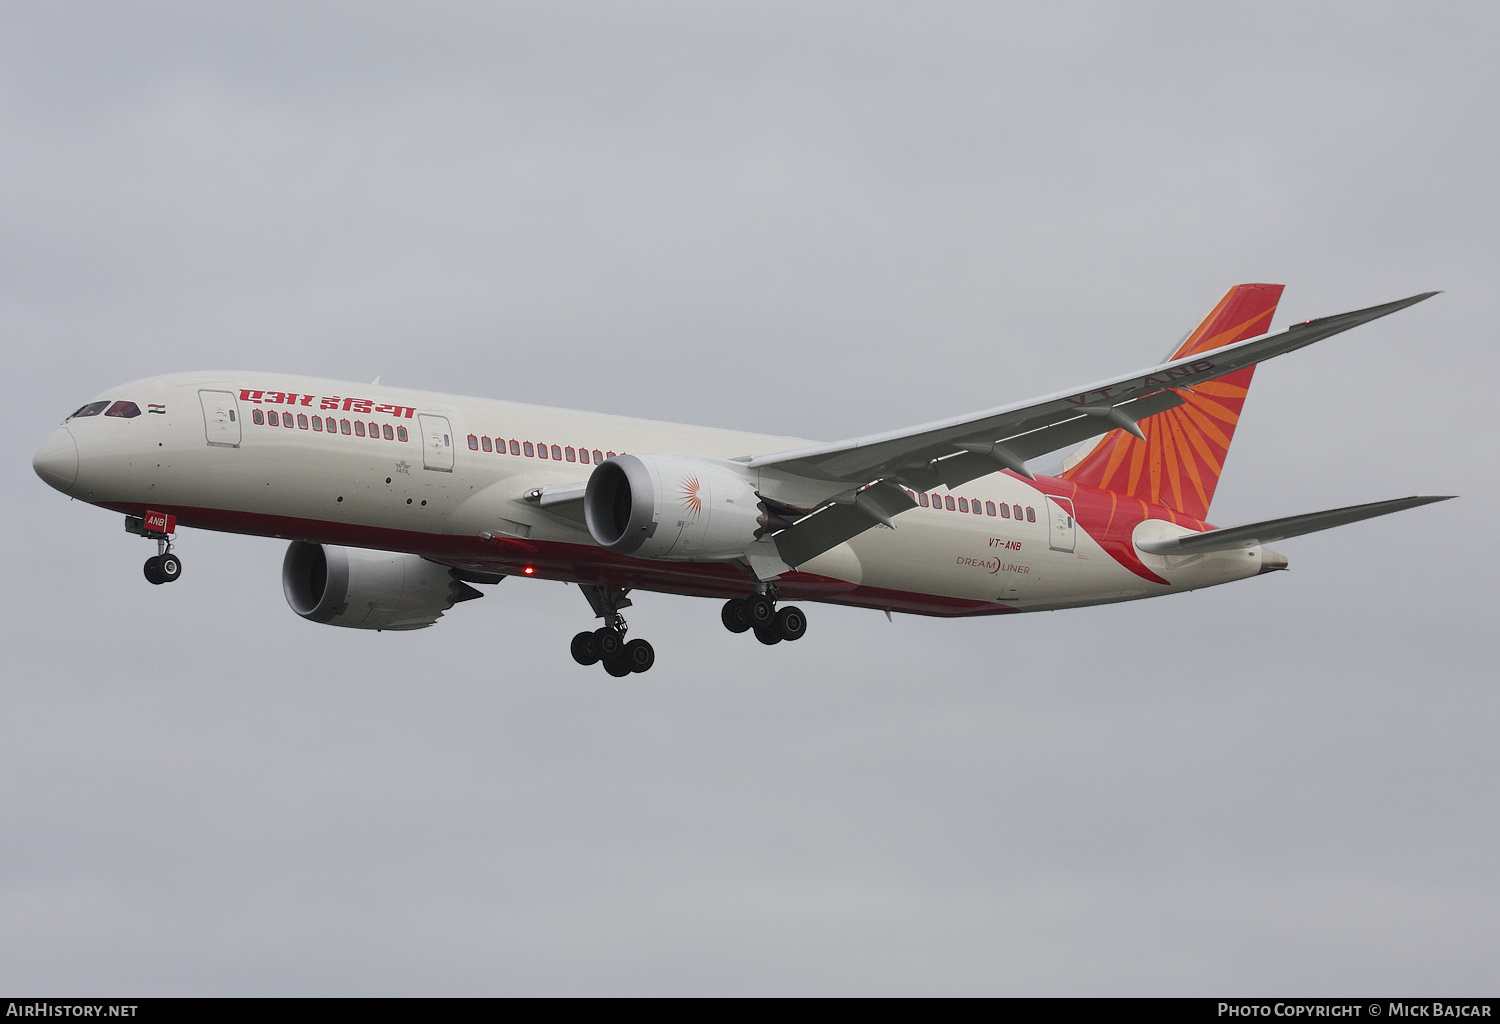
617, 667
791, 623
736, 616
607, 642
152, 569
639, 655
768, 635
761, 609
585, 649
169, 567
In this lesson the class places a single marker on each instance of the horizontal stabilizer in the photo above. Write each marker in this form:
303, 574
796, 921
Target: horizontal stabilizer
1280, 529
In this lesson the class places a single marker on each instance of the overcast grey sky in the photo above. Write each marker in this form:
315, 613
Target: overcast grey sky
812, 219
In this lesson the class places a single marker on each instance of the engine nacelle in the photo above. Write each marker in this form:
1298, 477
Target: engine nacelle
366, 589
671, 506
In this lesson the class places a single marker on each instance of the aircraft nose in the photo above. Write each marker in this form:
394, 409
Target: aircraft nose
56, 461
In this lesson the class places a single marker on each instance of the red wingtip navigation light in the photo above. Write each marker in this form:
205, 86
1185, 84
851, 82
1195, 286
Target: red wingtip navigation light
529, 570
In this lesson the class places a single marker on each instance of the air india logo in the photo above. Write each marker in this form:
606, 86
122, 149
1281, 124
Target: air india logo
691, 500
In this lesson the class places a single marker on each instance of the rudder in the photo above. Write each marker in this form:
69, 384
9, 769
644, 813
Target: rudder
1179, 462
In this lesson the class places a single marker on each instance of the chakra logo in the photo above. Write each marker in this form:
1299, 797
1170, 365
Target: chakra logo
691, 500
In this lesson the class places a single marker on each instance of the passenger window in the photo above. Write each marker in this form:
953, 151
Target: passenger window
273, 419
948, 502
610, 454
1030, 514
473, 443
598, 456
484, 443
92, 409
375, 432
318, 423
583, 456
1018, 510
124, 410
1004, 511
401, 433
301, 421
257, 416
974, 507
344, 426
556, 452
989, 508
387, 433
359, 427
541, 451
515, 448
572, 456
922, 499
286, 420
963, 504
529, 450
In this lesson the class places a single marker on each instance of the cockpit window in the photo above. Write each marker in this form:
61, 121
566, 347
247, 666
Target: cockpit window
92, 409
124, 410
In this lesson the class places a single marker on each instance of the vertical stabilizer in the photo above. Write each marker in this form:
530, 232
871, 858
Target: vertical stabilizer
1179, 462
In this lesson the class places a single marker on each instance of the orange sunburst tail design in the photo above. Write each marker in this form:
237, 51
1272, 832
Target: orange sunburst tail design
1178, 464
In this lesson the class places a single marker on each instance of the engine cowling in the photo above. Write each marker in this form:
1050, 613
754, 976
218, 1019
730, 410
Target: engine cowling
671, 506
365, 589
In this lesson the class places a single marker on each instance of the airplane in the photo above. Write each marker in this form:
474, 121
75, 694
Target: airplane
397, 502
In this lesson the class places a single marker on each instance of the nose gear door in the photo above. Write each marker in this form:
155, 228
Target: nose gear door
437, 443
221, 418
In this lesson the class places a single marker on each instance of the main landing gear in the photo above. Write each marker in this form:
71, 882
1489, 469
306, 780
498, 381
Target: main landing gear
608, 644
771, 625
164, 566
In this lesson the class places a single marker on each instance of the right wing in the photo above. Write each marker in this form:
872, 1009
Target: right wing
856, 484
1029, 429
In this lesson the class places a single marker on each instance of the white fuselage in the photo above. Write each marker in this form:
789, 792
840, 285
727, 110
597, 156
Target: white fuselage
204, 449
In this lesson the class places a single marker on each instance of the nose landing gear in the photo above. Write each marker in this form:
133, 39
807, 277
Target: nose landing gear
608, 644
759, 613
164, 566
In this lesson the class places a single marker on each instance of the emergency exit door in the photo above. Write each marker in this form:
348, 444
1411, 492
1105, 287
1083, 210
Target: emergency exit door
221, 418
437, 443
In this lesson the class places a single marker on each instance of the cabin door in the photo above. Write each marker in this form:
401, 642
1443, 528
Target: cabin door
221, 418
437, 443
1060, 527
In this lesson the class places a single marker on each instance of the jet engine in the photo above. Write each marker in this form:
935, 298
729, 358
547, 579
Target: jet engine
366, 589
671, 506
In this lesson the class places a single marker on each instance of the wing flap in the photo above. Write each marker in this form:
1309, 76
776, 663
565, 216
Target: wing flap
829, 527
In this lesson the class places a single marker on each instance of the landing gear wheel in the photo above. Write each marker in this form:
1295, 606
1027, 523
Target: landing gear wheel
768, 635
585, 648
791, 623
152, 570
639, 655
762, 610
617, 667
168, 567
608, 643
736, 616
